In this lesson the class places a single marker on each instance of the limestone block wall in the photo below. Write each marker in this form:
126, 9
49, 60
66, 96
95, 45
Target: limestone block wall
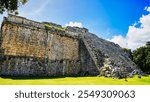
23, 41
30, 48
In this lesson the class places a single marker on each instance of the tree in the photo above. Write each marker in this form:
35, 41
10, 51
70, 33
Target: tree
148, 43
129, 52
141, 57
10, 6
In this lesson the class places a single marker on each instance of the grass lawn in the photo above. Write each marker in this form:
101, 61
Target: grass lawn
74, 81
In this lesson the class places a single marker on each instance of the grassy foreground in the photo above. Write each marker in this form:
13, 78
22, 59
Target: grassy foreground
75, 81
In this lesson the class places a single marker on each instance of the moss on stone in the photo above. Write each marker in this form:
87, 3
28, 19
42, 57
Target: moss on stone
50, 26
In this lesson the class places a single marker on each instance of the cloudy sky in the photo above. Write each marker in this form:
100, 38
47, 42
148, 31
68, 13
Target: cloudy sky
125, 22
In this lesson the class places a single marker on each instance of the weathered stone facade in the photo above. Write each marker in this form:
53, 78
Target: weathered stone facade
46, 49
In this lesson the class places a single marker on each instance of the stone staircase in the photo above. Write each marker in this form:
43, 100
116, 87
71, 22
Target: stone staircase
91, 49
1, 53
1, 50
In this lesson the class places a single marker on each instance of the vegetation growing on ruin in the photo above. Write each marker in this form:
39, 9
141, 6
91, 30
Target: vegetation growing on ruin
141, 57
74, 81
58, 28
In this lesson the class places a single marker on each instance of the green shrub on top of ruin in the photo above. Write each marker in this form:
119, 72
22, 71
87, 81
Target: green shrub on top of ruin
58, 28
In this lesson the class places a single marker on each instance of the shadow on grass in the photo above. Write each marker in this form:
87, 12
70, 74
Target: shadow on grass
38, 77
31, 77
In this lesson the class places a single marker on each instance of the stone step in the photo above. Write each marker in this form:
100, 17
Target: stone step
90, 50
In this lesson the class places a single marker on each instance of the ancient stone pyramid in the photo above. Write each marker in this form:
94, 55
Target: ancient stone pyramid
33, 48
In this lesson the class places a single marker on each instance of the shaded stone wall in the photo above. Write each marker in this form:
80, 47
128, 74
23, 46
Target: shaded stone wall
31, 66
88, 66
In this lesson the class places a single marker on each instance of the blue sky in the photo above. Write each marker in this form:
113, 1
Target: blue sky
106, 18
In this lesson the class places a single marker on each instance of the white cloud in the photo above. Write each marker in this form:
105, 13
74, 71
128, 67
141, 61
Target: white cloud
147, 9
119, 40
74, 24
136, 36
1, 17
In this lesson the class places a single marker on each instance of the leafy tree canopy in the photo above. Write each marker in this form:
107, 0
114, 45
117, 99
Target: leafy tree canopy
141, 57
148, 43
10, 6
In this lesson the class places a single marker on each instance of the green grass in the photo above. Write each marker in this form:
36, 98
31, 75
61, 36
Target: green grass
74, 81
49, 26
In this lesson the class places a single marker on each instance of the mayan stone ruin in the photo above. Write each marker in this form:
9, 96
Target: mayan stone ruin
30, 48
